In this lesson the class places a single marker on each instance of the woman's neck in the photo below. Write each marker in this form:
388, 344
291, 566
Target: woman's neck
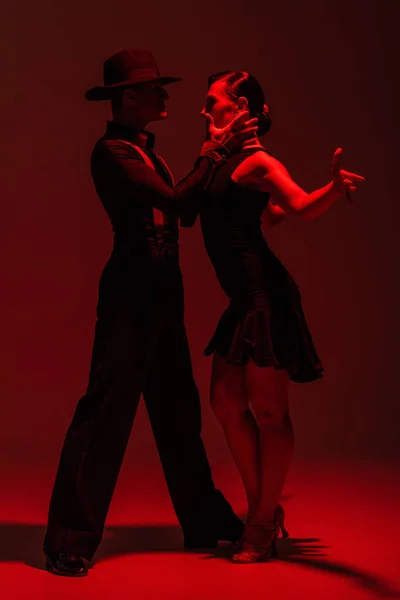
252, 143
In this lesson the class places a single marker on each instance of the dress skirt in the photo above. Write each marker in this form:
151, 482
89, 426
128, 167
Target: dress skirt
275, 335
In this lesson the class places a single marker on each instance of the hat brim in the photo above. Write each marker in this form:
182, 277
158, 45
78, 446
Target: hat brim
106, 92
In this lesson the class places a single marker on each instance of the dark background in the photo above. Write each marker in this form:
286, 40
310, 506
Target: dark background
328, 69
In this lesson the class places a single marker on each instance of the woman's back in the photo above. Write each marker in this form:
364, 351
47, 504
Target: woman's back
231, 225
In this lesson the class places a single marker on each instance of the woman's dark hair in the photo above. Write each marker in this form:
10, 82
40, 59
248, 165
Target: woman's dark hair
240, 83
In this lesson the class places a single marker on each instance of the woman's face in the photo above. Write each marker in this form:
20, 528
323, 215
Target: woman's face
220, 105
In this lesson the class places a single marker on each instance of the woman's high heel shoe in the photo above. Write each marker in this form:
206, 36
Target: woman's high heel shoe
246, 551
279, 520
258, 543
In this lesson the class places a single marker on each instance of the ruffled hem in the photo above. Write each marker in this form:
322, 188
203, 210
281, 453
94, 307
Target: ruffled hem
282, 341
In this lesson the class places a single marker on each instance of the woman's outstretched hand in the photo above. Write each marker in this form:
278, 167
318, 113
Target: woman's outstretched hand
240, 129
344, 181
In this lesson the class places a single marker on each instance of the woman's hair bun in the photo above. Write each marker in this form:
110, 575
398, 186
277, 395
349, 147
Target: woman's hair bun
264, 121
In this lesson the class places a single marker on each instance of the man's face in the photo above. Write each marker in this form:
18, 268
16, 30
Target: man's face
147, 101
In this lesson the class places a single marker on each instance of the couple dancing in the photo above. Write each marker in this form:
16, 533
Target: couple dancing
260, 344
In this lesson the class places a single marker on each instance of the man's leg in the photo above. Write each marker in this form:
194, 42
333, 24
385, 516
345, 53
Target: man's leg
96, 439
173, 405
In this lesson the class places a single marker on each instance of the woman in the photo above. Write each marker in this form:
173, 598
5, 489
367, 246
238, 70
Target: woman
262, 341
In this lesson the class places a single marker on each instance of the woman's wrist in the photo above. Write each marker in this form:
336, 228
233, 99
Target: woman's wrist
336, 188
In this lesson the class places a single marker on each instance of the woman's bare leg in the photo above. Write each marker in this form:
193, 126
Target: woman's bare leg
229, 401
268, 395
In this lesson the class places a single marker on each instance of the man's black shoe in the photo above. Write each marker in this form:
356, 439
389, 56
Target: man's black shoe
204, 541
207, 538
229, 530
66, 563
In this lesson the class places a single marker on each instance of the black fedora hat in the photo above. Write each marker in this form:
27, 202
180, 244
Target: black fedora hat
126, 68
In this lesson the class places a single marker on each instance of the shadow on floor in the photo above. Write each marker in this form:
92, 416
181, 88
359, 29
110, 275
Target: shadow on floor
23, 543
309, 553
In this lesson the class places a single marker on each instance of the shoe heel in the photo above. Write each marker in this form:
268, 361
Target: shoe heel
284, 531
280, 522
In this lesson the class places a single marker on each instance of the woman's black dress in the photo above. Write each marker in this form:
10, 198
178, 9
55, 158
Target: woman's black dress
265, 319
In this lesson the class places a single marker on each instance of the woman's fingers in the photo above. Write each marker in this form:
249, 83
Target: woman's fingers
344, 181
337, 156
353, 176
349, 186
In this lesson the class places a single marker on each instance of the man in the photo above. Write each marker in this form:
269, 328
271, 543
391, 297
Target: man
140, 344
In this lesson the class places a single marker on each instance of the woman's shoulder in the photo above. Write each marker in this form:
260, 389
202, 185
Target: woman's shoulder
261, 157
256, 164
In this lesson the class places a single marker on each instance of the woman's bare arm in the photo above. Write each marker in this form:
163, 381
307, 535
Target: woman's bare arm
262, 171
272, 215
